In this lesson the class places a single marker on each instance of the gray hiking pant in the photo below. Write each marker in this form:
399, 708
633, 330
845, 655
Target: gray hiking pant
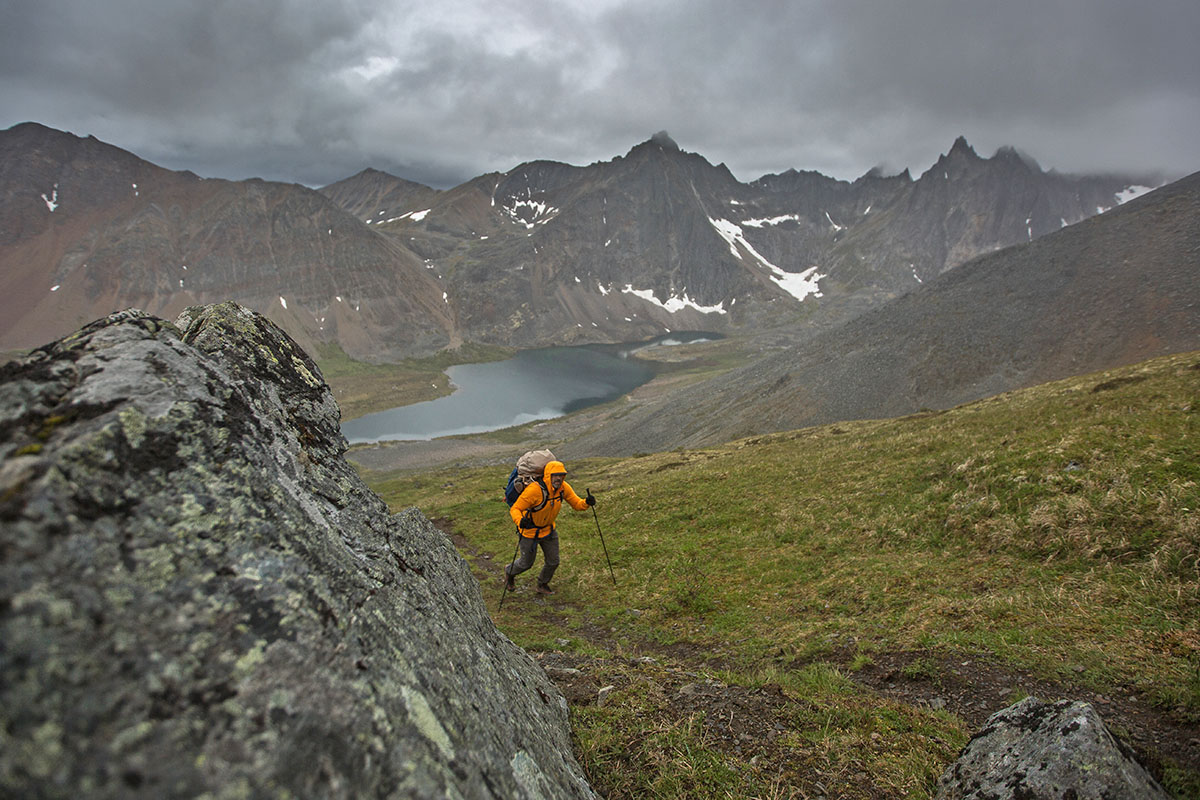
528, 548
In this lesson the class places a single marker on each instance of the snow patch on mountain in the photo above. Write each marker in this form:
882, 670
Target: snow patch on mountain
530, 212
674, 303
732, 233
758, 223
798, 284
1132, 192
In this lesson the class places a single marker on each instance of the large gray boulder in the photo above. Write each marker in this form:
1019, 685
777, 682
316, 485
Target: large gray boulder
1047, 751
199, 597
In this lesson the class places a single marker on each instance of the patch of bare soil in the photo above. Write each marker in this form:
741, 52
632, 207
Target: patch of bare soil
737, 718
748, 722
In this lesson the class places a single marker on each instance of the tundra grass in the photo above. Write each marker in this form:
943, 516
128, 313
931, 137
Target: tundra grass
1054, 530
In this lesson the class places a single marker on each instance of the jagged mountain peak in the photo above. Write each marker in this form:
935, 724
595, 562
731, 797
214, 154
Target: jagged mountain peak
962, 157
962, 147
1115, 289
371, 172
877, 174
663, 140
1011, 155
34, 128
660, 142
373, 176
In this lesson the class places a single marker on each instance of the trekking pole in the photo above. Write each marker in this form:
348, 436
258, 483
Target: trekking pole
507, 576
602, 544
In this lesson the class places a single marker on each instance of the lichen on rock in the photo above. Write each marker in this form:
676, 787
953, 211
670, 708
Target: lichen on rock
1047, 751
198, 595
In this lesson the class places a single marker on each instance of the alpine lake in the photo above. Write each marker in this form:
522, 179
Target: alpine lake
532, 385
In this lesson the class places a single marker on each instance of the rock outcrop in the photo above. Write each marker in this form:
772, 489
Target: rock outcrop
199, 597
1047, 751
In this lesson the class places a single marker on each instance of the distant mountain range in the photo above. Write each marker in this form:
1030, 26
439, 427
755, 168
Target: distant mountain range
656, 240
1113, 290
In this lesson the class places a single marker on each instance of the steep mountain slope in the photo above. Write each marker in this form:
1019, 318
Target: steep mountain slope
89, 229
1113, 290
660, 239
376, 197
656, 240
962, 207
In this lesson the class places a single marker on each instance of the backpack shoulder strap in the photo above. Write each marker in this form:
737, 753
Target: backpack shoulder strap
545, 495
545, 499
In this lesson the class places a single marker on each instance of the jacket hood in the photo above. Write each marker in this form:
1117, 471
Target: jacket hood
551, 468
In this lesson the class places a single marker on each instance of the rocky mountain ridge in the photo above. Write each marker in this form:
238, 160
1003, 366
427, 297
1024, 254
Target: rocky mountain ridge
90, 229
1116, 289
658, 239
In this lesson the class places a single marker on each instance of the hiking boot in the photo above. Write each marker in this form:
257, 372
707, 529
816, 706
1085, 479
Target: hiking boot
509, 583
544, 588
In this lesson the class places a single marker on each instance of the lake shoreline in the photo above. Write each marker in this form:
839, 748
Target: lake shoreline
503, 447
542, 384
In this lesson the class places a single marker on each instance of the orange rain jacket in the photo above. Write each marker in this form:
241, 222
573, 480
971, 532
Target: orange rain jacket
544, 517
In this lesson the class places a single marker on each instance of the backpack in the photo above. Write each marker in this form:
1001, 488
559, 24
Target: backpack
530, 469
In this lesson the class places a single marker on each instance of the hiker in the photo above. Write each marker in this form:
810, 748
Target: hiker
534, 513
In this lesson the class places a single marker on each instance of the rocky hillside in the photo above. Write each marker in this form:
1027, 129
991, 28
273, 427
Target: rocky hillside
1113, 290
199, 597
658, 239
87, 229
377, 197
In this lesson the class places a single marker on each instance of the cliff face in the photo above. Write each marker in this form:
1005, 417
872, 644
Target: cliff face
198, 594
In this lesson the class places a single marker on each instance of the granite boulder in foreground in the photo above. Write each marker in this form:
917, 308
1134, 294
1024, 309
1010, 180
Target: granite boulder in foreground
1047, 751
198, 595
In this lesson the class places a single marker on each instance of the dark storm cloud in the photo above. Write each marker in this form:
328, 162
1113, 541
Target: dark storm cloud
313, 91
1082, 84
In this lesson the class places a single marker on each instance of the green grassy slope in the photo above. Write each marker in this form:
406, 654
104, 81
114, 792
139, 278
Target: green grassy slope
1052, 534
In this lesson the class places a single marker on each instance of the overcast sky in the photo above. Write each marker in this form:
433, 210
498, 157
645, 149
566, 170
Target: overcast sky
440, 91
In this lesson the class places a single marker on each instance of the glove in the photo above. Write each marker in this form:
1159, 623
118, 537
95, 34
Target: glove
528, 523
590, 499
